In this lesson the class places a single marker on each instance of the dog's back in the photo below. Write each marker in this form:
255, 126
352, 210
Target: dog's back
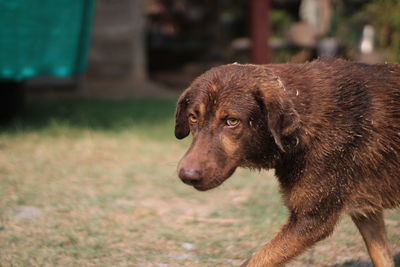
350, 126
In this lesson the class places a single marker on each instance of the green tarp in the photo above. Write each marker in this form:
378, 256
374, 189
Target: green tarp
44, 37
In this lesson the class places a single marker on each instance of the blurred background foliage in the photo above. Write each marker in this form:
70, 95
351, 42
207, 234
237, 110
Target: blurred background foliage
386, 20
223, 34
350, 18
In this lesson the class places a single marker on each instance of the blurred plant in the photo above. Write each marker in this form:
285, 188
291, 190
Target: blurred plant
280, 22
384, 16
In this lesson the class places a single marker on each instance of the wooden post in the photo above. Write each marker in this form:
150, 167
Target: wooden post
259, 31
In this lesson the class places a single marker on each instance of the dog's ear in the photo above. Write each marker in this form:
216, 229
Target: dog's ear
282, 117
181, 123
283, 120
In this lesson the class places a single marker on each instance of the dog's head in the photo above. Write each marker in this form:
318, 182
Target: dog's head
238, 116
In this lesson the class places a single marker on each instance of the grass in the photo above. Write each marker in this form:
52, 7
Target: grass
93, 183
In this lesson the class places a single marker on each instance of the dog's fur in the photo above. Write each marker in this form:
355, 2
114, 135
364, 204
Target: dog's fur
329, 128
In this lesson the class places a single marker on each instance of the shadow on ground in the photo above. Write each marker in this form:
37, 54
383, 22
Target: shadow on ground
102, 115
365, 263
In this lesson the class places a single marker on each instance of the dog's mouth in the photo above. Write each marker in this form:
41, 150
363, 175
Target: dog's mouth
208, 184
205, 187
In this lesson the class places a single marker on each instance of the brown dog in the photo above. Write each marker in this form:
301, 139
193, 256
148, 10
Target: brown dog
329, 128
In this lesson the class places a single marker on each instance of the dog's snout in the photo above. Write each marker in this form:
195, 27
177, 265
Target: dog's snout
190, 176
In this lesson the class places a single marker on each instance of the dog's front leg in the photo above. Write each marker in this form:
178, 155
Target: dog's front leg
299, 233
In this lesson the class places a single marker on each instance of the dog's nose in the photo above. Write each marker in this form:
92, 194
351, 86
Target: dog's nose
190, 176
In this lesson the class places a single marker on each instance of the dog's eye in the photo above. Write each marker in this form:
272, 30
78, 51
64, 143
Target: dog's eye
232, 122
192, 118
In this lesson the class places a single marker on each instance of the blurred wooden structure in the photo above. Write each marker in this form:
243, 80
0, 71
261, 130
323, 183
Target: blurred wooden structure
260, 31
